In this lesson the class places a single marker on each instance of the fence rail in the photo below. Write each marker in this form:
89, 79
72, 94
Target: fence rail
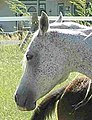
24, 18
28, 18
74, 18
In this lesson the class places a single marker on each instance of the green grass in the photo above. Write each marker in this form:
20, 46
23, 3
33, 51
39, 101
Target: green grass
10, 73
12, 36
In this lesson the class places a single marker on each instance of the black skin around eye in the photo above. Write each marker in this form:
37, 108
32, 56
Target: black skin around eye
29, 57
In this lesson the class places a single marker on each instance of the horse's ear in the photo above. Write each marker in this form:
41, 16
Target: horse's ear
60, 19
43, 23
88, 40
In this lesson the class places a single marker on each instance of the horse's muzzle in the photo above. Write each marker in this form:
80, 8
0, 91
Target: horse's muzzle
24, 103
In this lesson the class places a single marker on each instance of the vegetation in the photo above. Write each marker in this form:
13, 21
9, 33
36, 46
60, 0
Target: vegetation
17, 7
10, 72
89, 9
82, 9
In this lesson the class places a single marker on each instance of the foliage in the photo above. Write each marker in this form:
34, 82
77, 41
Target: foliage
80, 6
89, 9
82, 9
17, 7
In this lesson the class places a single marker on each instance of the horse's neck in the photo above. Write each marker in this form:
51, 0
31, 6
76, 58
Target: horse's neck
81, 58
76, 49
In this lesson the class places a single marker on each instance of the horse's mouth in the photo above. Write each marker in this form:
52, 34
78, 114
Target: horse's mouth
27, 108
25, 104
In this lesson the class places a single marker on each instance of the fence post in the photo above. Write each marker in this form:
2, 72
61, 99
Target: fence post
20, 28
35, 22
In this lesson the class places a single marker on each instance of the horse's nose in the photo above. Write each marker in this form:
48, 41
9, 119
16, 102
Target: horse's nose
24, 103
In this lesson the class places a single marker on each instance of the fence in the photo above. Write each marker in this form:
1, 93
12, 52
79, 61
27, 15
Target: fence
28, 18
51, 18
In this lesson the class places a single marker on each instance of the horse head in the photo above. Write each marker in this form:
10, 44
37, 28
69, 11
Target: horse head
42, 70
50, 57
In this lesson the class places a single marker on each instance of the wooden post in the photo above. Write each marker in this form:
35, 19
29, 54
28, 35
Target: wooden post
20, 29
2, 3
38, 7
34, 22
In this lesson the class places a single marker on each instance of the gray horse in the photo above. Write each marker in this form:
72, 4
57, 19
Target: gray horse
50, 57
70, 25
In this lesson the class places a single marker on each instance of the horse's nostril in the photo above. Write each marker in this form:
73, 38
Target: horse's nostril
16, 98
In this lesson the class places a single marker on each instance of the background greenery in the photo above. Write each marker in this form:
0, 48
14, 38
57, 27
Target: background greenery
10, 73
17, 7
82, 9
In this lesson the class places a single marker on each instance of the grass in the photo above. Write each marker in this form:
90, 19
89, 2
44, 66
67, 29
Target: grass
10, 73
12, 36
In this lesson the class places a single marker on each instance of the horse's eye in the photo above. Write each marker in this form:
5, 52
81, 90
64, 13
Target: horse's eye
29, 57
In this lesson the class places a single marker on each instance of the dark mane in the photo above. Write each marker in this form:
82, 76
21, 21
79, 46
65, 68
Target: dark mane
47, 106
